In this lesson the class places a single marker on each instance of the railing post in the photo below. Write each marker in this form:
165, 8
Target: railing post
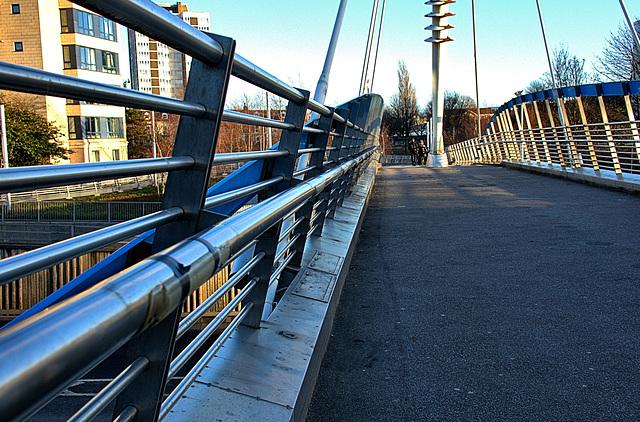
571, 145
555, 134
334, 157
351, 141
317, 159
545, 144
534, 144
587, 133
633, 126
607, 128
195, 137
268, 242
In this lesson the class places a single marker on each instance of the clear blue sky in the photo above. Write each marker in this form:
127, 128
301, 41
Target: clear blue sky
289, 38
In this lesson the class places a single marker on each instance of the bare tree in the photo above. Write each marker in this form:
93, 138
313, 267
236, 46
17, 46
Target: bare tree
403, 108
620, 59
536, 86
568, 70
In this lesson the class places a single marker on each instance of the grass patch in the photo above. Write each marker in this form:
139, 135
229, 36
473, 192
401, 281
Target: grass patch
146, 194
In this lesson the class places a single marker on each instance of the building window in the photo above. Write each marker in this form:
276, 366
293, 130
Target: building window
107, 29
96, 156
87, 58
115, 154
67, 52
92, 127
17, 46
73, 134
114, 127
109, 62
15, 9
85, 23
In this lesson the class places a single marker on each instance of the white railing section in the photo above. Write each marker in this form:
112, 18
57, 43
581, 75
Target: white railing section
517, 132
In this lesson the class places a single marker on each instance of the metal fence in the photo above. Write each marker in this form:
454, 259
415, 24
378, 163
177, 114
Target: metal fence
77, 211
390, 160
82, 189
139, 291
518, 132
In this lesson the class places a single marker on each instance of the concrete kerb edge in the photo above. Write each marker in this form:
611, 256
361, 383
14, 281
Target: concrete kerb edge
602, 178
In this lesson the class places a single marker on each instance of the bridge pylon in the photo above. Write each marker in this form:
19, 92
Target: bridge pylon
439, 36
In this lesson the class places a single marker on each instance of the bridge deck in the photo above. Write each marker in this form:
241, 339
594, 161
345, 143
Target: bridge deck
482, 293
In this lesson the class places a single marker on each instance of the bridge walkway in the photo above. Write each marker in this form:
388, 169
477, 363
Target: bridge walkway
483, 293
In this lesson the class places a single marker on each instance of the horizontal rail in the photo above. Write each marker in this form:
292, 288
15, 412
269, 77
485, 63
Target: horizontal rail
130, 302
189, 379
309, 129
306, 170
34, 81
101, 400
204, 335
223, 198
282, 266
18, 266
15, 179
250, 119
308, 150
234, 157
152, 20
199, 312
285, 248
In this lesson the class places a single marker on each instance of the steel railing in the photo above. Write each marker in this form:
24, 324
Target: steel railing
516, 132
136, 302
76, 211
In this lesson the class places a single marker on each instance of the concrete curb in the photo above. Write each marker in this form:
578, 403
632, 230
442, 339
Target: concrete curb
605, 178
269, 374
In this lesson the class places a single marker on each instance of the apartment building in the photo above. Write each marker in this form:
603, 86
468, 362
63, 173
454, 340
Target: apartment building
157, 68
60, 37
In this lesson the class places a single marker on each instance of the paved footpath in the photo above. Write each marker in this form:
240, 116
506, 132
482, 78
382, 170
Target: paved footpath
481, 293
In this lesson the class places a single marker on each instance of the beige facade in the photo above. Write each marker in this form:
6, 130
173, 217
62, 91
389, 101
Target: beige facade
60, 37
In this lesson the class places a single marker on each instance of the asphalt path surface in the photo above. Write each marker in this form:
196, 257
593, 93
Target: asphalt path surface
481, 293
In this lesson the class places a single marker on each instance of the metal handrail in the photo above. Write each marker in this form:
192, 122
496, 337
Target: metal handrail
175, 395
101, 400
26, 263
199, 312
232, 195
75, 334
610, 146
16, 179
14, 77
130, 302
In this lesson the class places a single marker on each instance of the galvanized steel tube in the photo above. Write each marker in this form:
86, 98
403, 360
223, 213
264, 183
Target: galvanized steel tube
18, 179
71, 337
186, 382
35, 81
249, 119
18, 266
101, 400
199, 312
199, 341
234, 157
223, 198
